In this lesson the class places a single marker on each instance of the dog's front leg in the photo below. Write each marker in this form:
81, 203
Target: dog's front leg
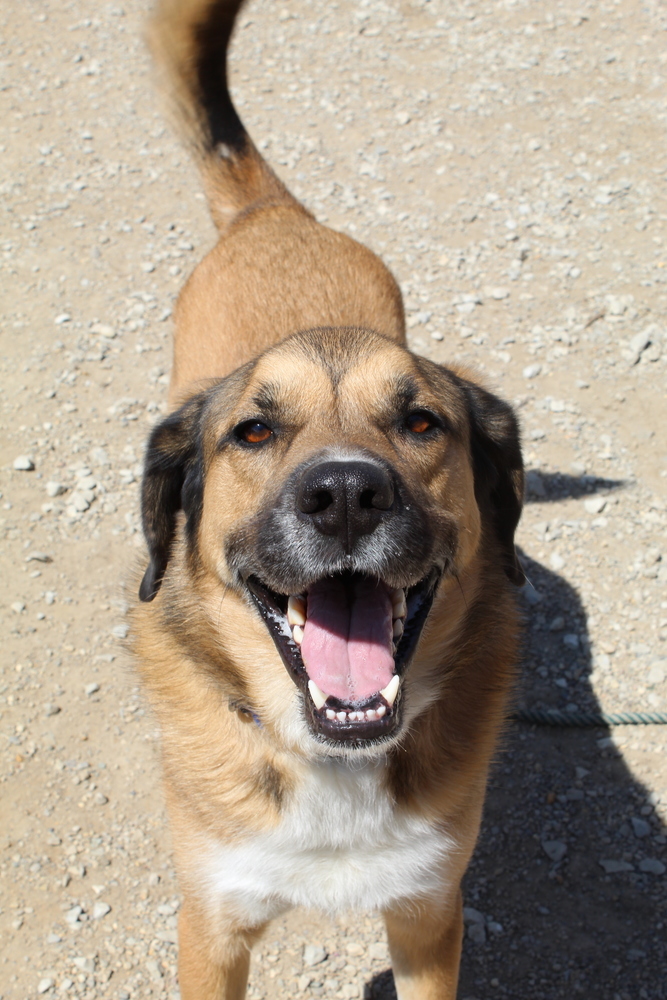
425, 945
213, 958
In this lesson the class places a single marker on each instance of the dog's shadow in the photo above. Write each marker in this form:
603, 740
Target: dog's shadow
567, 891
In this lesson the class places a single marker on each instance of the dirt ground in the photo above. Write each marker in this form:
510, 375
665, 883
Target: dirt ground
508, 162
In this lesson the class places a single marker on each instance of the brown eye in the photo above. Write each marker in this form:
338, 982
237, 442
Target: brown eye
254, 432
420, 422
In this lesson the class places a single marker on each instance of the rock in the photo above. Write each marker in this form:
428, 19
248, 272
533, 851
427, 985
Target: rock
303, 982
313, 954
556, 561
497, 293
100, 910
571, 640
379, 951
557, 624
657, 672
79, 503
477, 933
17, 607
154, 970
51, 709
85, 964
652, 866
103, 330
72, 915
535, 484
355, 949
595, 505
555, 850
54, 489
41, 557
120, 631
92, 688
472, 916
614, 867
23, 463
44, 985
640, 827
532, 371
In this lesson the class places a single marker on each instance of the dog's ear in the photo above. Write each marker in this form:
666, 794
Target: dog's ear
173, 480
498, 468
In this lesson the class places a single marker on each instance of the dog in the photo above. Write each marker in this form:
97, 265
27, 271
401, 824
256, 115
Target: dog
326, 629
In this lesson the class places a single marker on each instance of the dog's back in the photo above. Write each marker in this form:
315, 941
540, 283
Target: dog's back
275, 269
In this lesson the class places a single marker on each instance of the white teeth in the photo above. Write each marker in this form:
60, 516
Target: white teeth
371, 715
398, 628
341, 716
318, 696
331, 715
391, 690
399, 607
297, 634
296, 610
381, 711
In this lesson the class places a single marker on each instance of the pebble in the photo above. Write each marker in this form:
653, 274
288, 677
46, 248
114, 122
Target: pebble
41, 557
555, 850
612, 867
18, 607
55, 489
313, 954
92, 688
24, 463
45, 985
100, 910
652, 866
120, 631
595, 505
532, 371
51, 709
73, 914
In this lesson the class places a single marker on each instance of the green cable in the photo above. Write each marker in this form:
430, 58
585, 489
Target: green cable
571, 719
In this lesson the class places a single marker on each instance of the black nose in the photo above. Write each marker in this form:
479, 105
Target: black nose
345, 499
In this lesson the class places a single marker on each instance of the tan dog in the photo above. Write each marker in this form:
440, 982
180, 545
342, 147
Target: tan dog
330, 524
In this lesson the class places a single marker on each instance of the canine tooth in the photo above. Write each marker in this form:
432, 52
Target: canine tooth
400, 608
331, 715
341, 716
296, 611
382, 710
398, 594
391, 690
398, 628
318, 696
297, 634
371, 715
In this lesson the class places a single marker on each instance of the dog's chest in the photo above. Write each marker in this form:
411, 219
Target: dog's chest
340, 845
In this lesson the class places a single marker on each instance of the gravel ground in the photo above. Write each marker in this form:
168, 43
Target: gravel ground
508, 162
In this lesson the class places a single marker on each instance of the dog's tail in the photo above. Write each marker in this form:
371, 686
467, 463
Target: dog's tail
189, 40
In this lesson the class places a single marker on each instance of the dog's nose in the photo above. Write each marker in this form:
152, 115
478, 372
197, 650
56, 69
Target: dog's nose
345, 499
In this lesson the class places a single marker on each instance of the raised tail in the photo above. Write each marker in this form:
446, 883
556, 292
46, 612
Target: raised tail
189, 40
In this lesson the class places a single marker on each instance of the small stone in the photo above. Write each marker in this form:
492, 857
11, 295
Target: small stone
44, 985
402, 117
72, 916
499, 294
472, 916
355, 949
103, 330
657, 673
100, 910
379, 951
154, 970
556, 561
640, 827
313, 954
41, 557
51, 709
571, 640
303, 982
54, 489
18, 607
652, 866
62, 318
23, 463
120, 631
595, 505
557, 624
614, 867
79, 503
532, 371
92, 688
148, 266
477, 933
555, 850
85, 964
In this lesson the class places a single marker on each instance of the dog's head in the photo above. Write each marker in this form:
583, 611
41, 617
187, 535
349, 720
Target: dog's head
328, 491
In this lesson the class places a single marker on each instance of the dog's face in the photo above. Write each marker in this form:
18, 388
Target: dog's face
333, 485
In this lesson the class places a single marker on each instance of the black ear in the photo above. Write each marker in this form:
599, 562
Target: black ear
173, 480
498, 469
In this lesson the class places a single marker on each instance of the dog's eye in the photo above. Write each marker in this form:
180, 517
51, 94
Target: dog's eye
420, 422
253, 432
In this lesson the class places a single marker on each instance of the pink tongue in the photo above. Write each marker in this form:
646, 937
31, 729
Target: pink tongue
347, 638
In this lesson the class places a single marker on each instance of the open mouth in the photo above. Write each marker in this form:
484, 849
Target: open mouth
346, 642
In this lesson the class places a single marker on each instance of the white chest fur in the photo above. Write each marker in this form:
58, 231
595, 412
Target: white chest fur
340, 845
